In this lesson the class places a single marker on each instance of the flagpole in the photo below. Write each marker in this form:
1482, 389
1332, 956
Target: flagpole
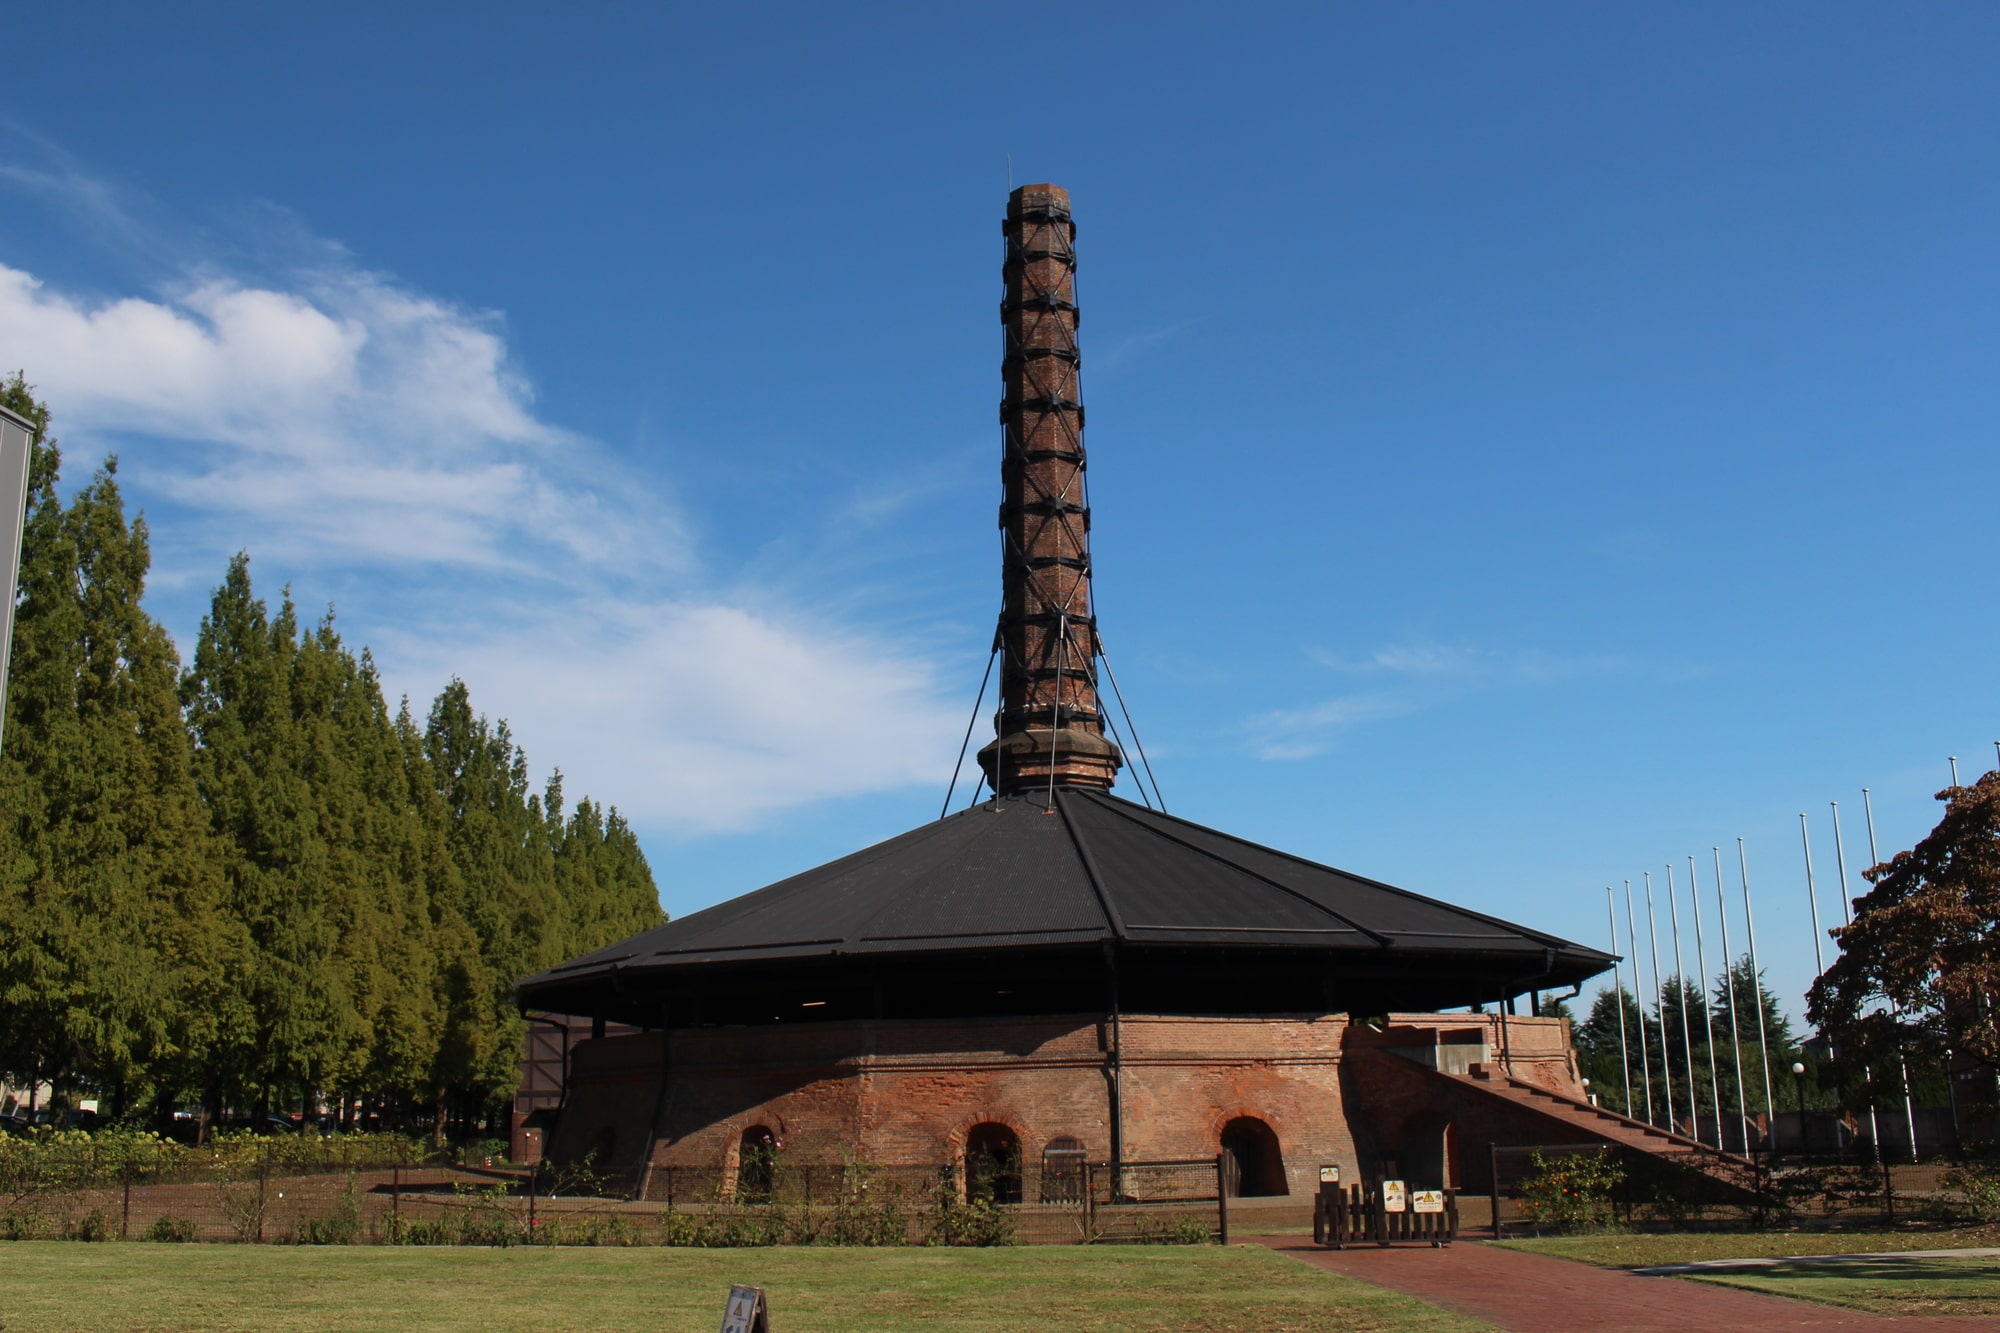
1895, 1010
1757, 994
1659, 1000
1729, 985
1618, 980
1681, 988
1847, 919
1708, 1019
1819, 958
1645, 1059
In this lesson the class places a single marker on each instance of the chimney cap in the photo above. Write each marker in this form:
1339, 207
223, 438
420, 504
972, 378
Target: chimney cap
1038, 196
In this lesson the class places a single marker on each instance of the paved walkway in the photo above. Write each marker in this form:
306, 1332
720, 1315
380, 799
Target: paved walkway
1534, 1293
1872, 1257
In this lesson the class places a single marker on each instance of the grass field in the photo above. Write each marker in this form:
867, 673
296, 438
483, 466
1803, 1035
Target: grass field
1643, 1250
58, 1287
1887, 1286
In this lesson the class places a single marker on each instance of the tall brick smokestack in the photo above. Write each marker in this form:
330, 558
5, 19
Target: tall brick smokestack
1049, 726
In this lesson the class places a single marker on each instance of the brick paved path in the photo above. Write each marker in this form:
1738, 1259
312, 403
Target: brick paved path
1534, 1293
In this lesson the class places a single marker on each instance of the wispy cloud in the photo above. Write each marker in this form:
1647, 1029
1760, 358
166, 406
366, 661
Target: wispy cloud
1413, 677
1132, 346
343, 425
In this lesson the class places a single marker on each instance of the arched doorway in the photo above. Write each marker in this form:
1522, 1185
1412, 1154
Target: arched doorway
1252, 1162
993, 1163
756, 1164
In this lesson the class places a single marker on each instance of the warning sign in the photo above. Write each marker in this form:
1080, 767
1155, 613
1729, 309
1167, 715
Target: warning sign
746, 1311
1427, 1201
1395, 1198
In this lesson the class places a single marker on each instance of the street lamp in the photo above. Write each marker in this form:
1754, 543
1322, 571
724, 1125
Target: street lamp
1799, 1089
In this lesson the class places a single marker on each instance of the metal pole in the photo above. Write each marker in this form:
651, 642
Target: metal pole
1812, 899
17, 452
1618, 980
1681, 988
1729, 986
1847, 919
1954, 770
1645, 1060
1868, 805
1708, 1018
1221, 1198
1757, 994
1659, 1004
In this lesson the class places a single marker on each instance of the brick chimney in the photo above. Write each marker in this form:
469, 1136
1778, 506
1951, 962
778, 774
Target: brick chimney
1049, 724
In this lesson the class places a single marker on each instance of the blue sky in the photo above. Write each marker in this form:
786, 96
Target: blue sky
1530, 443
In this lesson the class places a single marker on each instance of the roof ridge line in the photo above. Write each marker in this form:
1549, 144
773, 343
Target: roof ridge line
1112, 916
1287, 890
1543, 937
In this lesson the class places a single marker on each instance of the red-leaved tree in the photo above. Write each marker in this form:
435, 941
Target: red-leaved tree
1925, 941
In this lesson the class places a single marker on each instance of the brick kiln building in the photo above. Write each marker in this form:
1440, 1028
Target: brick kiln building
1056, 972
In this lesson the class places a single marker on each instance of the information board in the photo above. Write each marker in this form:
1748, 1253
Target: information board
746, 1311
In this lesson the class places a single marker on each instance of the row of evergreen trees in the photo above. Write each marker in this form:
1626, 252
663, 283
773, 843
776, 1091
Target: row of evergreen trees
251, 882
1653, 1043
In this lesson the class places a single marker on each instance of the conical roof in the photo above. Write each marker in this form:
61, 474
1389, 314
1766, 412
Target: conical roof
1088, 871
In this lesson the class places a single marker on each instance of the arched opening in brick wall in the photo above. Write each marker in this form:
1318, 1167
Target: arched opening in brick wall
1062, 1170
993, 1163
1253, 1163
756, 1164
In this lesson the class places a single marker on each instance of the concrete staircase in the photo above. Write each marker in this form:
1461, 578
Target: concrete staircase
1609, 1126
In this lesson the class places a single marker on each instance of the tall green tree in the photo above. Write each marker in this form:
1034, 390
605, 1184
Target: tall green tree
113, 945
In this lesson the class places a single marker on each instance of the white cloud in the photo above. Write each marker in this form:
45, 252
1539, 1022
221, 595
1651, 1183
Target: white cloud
703, 716
349, 417
335, 422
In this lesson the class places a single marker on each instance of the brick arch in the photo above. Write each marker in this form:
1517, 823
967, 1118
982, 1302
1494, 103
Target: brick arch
1245, 1111
959, 1128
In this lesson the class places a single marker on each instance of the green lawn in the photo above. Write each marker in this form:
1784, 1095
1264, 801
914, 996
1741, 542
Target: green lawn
1884, 1286
1646, 1249
58, 1285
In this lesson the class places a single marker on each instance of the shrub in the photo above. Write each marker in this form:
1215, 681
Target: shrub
25, 1221
341, 1226
1571, 1193
93, 1225
1978, 1186
173, 1230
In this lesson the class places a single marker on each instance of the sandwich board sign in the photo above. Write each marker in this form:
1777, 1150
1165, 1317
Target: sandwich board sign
17, 442
1395, 1198
746, 1311
1427, 1201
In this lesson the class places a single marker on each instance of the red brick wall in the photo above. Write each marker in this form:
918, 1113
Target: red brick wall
907, 1092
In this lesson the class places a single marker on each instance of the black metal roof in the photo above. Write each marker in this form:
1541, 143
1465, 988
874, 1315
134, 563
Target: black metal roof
1017, 874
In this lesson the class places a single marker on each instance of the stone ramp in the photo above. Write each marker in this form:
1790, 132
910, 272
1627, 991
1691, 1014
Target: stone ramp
1534, 1293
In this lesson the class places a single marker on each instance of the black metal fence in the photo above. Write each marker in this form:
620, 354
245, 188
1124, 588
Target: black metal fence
266, 1198
1768, 1191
